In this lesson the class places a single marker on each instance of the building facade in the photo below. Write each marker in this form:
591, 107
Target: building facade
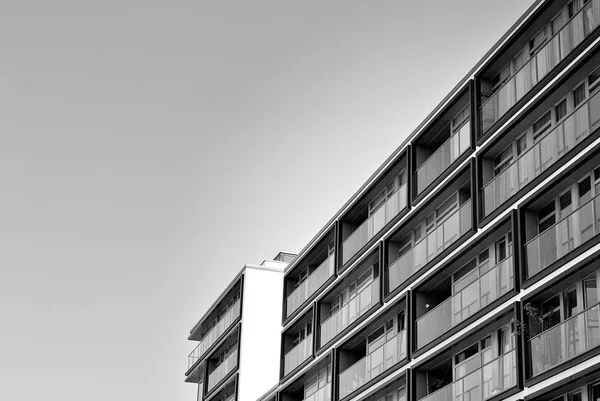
237, 356
466, 268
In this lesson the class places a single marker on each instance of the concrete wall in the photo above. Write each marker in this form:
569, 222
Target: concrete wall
261, 331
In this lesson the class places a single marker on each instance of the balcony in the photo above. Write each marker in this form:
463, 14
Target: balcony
540, 64
224, 368
215, 333
544, 153
194, 356
308, 287
483, 383
373, 365
443, 157
297, 355
424, 251
366, 298
370, 227
471, 299
565, 341
563, 237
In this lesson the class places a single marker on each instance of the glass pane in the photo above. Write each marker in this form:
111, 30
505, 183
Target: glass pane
591, 292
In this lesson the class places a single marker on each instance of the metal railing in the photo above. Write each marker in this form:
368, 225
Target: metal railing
367, 230
297, 355
312, 283
474, 297
486, 382
546, 152
563, 342
222, 370
569, 233
387, 355
543, 61
451, 229
215, 333
347, 314
443, 157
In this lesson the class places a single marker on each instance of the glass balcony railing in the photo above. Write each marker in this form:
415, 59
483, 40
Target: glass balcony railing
367, 230
215, 333
565, 341
356, 307
474, 297
563, 237
297, 355
374, 364
308, 287
536, 68
544, 153
322, 394
486, 382
443, 157
445, 234
222, 370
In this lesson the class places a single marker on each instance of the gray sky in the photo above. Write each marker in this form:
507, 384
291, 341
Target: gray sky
149, 149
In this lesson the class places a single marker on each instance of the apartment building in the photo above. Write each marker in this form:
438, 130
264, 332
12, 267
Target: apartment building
466, 268
237, 355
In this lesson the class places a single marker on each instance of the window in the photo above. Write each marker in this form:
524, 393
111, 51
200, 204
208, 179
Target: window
301, 278
550, 313
375, 339
521, 145
301, 334
518, 61
597, 180
429, 223
446, 208
378, 201
546, 217
541, 125
404, 246
386, 192
584, 188
570, 300
501, 250
401, 321
572, 8
537, 42
565, 204
593, 80
460, 118
503, 160
557, 23
561, 110
501, 77
590, 288
465, 276
579, 95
